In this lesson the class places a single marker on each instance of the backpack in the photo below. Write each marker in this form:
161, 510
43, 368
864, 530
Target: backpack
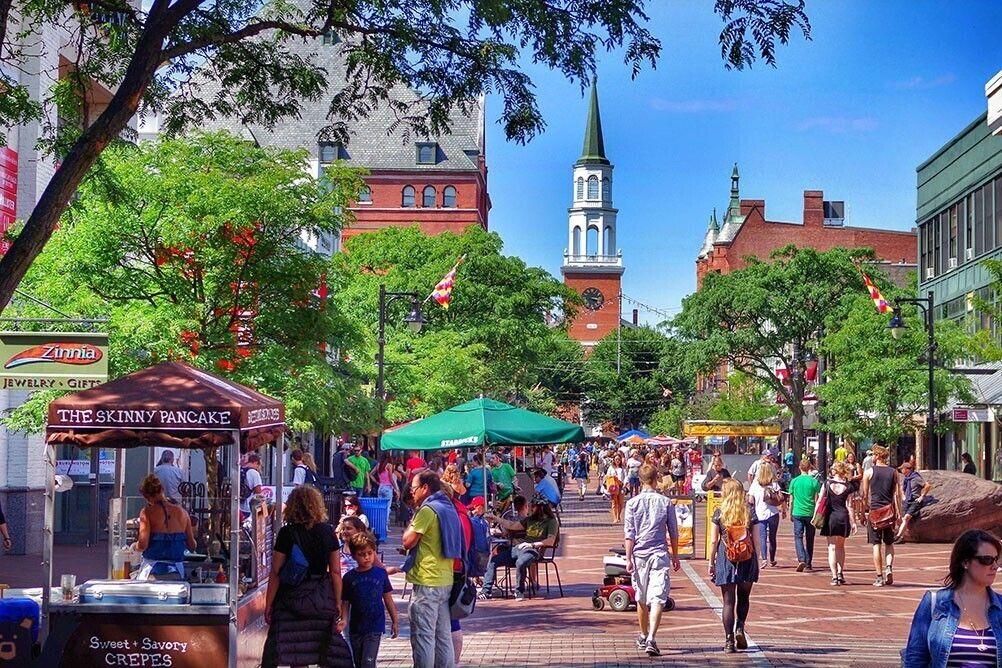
772, 496
296, 566
245, 490
738, 545
480, 549
309, 477
463, 597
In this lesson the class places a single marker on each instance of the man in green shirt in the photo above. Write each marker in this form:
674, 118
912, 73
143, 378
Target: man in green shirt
804, 490
503, 476
360, 482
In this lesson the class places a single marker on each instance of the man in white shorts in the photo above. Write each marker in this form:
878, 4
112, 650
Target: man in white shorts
648, 525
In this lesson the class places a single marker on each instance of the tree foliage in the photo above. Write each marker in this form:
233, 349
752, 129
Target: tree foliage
877, 386
498, 337
154, 57
745, 398
191, 249
767, 316
652, 374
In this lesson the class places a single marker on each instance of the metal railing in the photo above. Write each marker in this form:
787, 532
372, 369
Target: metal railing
616, 259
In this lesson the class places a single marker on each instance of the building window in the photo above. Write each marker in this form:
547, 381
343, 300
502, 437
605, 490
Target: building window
365, 195
328, 152
407, 200
576, 243
607, 242
606, 190
449, 197
979, 221
998, 211
330, 38
592, 241
592, 187
428, 197
953, 238
427, 153
579, 192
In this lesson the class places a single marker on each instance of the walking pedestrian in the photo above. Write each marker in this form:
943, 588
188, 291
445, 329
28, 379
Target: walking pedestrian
615, 481
579, 472
804, 495
360, 483
366, 598
868, 461
961, 624
478, 480
838, 522
648, 526
302, 604
735, 567
633, 465
770, 504
882, 491
386, 479
170, 475
433, 540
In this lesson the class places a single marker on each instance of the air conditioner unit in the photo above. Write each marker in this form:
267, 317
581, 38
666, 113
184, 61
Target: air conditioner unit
930, 272
969, 254
952, 263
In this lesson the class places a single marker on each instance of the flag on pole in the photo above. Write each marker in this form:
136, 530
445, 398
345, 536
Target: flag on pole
443, 291
878, 299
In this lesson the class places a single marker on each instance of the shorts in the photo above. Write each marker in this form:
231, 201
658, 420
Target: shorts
651, 579
874, 537
633, 480
913, 509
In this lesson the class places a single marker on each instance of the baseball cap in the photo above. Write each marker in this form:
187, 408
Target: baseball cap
477, 501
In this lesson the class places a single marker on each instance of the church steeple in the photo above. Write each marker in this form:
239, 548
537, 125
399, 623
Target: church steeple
714, 226
593, 151
734, 208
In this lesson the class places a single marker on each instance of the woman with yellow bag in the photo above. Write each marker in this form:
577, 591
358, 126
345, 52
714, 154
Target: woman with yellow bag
615, 481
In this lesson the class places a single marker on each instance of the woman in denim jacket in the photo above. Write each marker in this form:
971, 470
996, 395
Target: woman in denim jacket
962, 623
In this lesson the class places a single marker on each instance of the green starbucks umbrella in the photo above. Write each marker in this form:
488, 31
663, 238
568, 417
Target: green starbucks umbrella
481, 422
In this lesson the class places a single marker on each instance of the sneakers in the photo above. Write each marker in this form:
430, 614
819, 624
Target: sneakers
835, 582
641, 642
888, 576
483, 594
740, 640
801, 567
729, 645
652, 648
519, 596
773, 564
879, 582
809, 568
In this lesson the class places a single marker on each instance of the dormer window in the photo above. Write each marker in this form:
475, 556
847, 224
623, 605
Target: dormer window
330, 38
427, 153
329, 151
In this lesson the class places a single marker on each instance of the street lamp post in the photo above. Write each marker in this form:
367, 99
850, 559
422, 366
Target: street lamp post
897, 327
414, 319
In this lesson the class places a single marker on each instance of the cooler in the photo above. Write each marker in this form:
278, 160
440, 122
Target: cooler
378, 513
135, 592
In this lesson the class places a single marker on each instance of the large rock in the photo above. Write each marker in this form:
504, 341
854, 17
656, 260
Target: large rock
957, 502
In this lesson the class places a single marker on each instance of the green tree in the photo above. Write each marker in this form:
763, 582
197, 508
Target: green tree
154, 56
497, 338
767, 315
877, 386
745, 398
631, 375
190, 248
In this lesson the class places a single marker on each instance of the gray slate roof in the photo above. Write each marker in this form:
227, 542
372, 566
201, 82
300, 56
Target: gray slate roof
987, 390
374, 141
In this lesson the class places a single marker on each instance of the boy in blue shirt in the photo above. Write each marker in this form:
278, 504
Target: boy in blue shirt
366, 595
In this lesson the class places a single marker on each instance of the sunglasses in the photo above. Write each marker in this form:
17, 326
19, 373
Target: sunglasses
986, 559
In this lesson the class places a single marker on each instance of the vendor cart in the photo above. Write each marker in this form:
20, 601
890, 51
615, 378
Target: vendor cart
194, 623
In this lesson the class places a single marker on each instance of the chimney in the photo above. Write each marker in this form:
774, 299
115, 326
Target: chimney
814, 208
636, 317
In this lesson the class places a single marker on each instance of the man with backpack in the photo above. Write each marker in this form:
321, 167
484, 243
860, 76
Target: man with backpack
342, 470
648, 525
301, 473
250, 483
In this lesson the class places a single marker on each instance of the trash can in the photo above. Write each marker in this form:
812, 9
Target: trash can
378, 512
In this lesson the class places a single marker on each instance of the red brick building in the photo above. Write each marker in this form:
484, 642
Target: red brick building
747, 232
592, 264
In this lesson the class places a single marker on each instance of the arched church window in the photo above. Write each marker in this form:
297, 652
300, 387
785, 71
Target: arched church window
579, 192
606, 190
607, 242
449, 197
576, 244
592, 187
592, 248
428, 197
407, 196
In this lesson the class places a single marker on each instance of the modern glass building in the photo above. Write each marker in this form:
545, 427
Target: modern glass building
959, 216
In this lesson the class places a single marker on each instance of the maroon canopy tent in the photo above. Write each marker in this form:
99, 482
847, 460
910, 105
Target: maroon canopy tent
170, 405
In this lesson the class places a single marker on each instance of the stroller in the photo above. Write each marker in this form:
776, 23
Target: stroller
617, 585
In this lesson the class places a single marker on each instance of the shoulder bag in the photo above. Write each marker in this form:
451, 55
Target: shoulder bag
882, 518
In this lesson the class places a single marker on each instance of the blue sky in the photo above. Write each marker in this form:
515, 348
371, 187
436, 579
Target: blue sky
881, 86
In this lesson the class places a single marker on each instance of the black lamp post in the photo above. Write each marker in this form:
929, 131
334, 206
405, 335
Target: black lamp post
897, 327
415, 321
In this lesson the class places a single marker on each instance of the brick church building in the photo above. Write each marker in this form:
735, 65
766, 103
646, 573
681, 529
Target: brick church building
745, 231
592, 265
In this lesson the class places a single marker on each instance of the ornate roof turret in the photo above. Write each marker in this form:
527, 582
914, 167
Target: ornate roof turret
711, 235
734, 208
593, 151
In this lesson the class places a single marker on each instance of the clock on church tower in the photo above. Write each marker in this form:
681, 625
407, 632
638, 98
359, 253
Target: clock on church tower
592, 264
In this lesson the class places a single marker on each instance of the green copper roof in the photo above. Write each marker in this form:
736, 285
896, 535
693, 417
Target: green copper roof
593, 151
713, 221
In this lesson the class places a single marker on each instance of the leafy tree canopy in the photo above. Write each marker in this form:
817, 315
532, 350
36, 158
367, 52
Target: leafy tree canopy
191, 248
497, 338
449, 53
745, 398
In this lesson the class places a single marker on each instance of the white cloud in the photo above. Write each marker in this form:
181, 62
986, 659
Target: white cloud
838, 125
921, 83
696, 106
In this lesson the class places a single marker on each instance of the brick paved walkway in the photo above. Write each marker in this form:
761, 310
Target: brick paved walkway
796, 619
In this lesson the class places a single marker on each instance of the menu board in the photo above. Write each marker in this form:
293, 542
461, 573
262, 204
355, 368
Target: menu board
685, 516
151, 641
264, 544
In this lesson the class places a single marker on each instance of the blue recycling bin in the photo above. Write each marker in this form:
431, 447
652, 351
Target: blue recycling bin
378, 512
